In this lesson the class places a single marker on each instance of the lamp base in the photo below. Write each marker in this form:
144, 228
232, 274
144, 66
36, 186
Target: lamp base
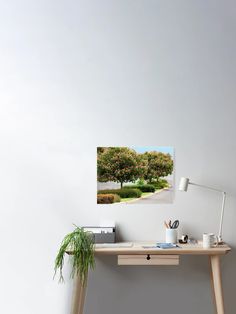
220, 240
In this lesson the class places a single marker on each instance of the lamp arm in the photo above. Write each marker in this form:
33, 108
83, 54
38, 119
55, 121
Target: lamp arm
206, 187
222, 217
222, 207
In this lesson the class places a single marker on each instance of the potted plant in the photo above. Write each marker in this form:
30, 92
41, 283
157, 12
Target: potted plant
79, 244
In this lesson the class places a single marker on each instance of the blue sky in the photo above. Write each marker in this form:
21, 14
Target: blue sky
162, 149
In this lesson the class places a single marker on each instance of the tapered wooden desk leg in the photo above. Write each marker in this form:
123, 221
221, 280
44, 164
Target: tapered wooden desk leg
78, 296
216, 283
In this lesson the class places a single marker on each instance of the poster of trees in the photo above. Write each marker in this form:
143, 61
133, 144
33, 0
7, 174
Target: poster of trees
135, 175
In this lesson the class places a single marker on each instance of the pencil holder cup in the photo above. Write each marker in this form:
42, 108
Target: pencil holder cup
171, 236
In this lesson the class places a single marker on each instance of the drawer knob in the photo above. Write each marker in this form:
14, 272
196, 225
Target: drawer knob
148, 257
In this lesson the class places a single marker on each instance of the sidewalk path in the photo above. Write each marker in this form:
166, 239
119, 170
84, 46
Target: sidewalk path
164, 197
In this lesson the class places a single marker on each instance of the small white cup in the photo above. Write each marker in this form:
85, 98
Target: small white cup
209, 240
171, 235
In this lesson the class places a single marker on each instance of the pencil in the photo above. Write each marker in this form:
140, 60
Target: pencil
167, 227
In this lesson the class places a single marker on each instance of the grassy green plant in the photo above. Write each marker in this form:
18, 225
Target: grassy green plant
80, 244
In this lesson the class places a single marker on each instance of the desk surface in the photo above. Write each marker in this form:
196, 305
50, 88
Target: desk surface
184, 249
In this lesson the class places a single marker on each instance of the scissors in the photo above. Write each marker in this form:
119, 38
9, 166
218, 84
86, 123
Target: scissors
174, 225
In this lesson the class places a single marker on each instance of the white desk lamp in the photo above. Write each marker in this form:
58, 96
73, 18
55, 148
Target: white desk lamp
183, 186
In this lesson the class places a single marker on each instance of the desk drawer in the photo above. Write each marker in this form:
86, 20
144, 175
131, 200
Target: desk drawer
148, 259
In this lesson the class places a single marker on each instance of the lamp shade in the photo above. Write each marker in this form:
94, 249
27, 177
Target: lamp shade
183, 184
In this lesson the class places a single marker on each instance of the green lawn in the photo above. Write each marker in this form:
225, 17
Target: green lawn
127, 199
146, 194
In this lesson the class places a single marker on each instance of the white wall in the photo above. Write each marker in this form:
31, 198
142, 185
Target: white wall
79, 74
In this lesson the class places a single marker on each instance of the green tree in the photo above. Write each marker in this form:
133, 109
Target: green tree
158, 165
120, 164
101, 150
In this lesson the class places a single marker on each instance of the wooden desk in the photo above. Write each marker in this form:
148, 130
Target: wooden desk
137, 255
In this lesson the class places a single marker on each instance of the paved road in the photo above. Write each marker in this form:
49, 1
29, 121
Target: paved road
164, 197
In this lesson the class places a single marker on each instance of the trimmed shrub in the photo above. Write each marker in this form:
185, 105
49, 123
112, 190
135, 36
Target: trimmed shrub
127, 193
142, 188
147, 188
105, 199
164, 181
123, 193
160, 184
116, 198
